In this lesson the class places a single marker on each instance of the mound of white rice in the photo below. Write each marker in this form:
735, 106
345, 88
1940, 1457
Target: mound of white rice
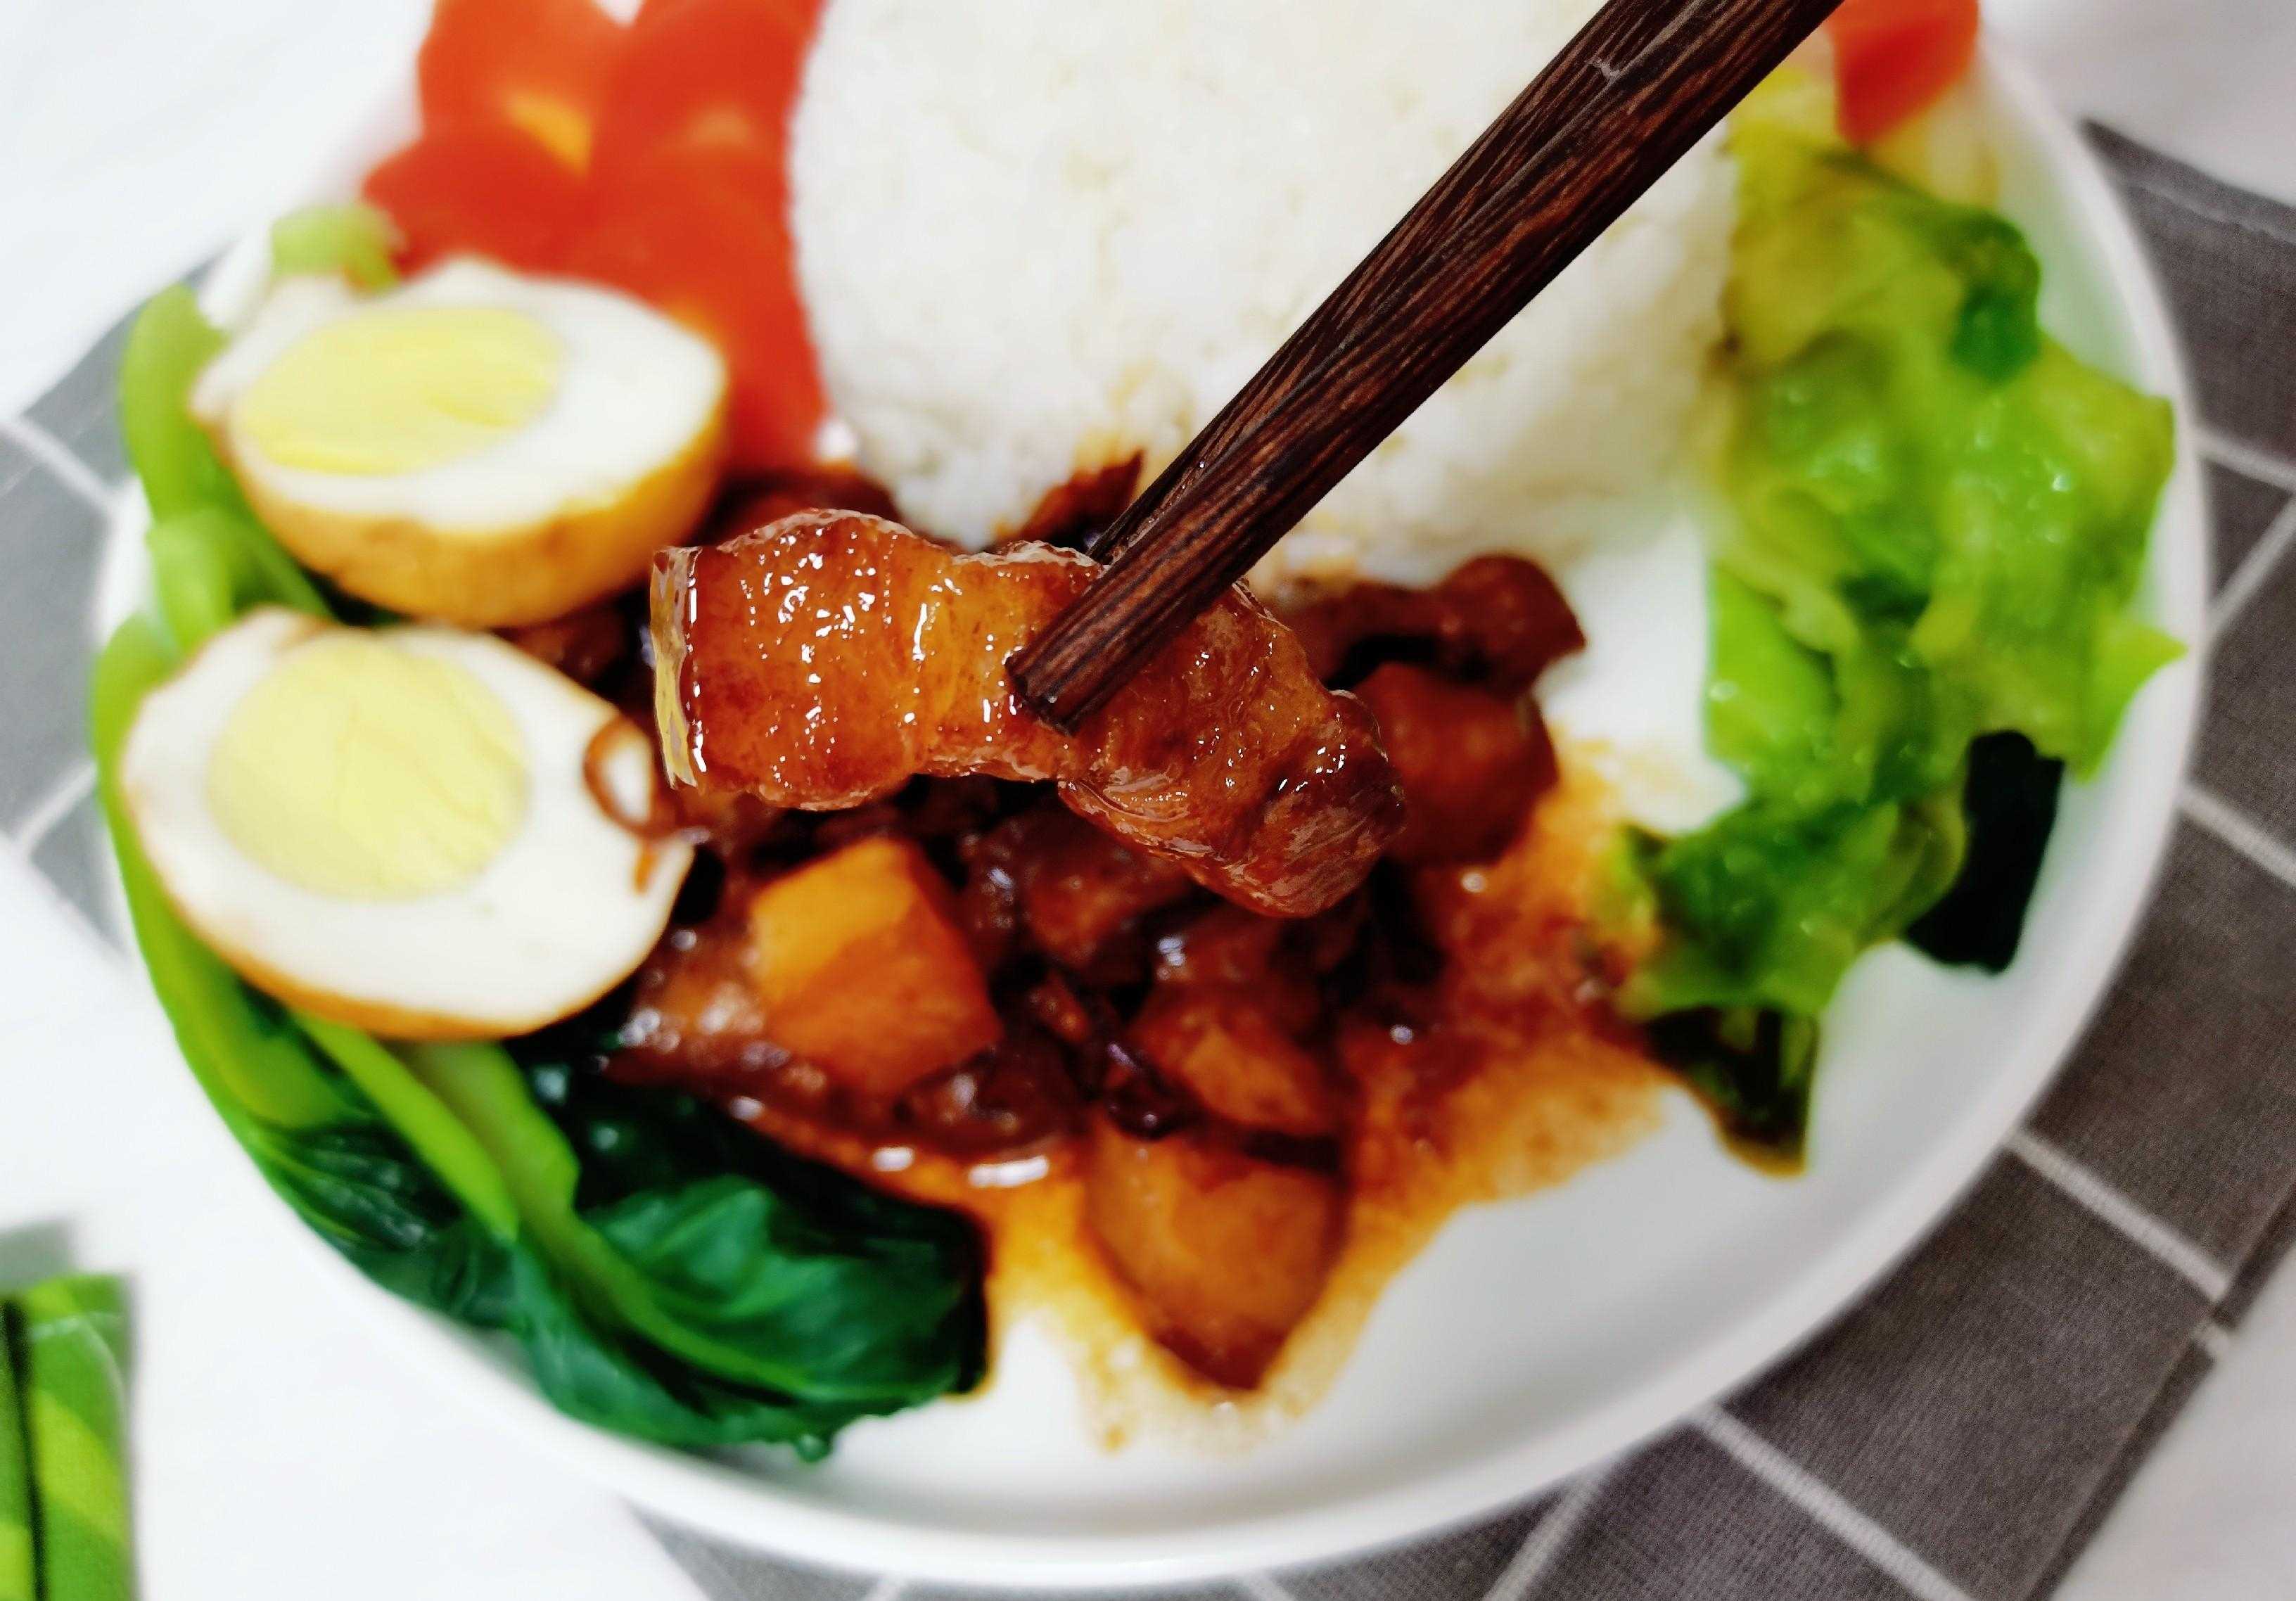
1038, 234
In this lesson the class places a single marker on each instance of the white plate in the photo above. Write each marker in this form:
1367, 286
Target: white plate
1539, 1336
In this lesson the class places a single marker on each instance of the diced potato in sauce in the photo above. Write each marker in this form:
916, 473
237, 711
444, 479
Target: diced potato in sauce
864, 971
1225, 1253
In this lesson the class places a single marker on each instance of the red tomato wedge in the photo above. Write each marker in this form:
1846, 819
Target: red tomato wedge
710, 76
682, 233
1892, 58
482, 188
539, 66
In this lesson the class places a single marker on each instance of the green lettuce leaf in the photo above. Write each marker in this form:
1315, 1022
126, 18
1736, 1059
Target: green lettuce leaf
1753, 1066
1913, 454
1938, 524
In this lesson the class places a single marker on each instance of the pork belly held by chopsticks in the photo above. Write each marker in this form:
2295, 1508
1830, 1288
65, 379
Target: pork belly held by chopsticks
822, 661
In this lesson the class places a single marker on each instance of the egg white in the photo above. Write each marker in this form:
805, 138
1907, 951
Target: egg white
568, 907
559, 511
634, 389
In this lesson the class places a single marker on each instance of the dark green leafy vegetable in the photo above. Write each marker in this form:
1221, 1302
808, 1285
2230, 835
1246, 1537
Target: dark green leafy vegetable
631, 1389
1939, 523
2011, 800
770, 1246
746, 1300
1752, 1066
723, 1272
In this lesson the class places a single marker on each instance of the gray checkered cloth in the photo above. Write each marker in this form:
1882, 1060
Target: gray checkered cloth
1960, 1434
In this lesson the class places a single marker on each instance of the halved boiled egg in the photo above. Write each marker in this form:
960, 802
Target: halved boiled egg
421, 832
474, 445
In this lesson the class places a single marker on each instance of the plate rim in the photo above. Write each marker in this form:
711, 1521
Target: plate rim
719, 1500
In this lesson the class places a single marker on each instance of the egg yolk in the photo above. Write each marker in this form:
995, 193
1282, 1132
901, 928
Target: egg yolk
363, 771
401, 387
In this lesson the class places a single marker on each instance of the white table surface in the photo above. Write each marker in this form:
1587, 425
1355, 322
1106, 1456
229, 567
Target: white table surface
277, 1450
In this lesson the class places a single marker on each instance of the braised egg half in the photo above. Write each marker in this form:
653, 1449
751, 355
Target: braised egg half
476, 445
421, 832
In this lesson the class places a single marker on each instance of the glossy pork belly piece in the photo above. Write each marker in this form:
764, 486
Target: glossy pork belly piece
1473, 762
822, 661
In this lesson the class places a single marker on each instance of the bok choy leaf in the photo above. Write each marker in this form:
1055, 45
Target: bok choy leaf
730, 1295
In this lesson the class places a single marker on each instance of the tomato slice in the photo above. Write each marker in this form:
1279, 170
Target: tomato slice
479, 187
540, 66
1892, 58
681, 230
710, 76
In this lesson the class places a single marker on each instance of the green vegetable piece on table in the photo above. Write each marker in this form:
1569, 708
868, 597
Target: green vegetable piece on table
69, 1336
1938, 523
19, 1579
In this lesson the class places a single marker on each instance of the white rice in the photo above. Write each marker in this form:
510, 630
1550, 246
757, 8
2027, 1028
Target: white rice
1035, 235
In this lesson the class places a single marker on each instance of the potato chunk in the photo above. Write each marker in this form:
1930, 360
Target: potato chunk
1227, 1252
864, 971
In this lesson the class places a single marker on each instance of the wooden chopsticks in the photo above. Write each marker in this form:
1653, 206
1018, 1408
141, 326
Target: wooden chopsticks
1641, 83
